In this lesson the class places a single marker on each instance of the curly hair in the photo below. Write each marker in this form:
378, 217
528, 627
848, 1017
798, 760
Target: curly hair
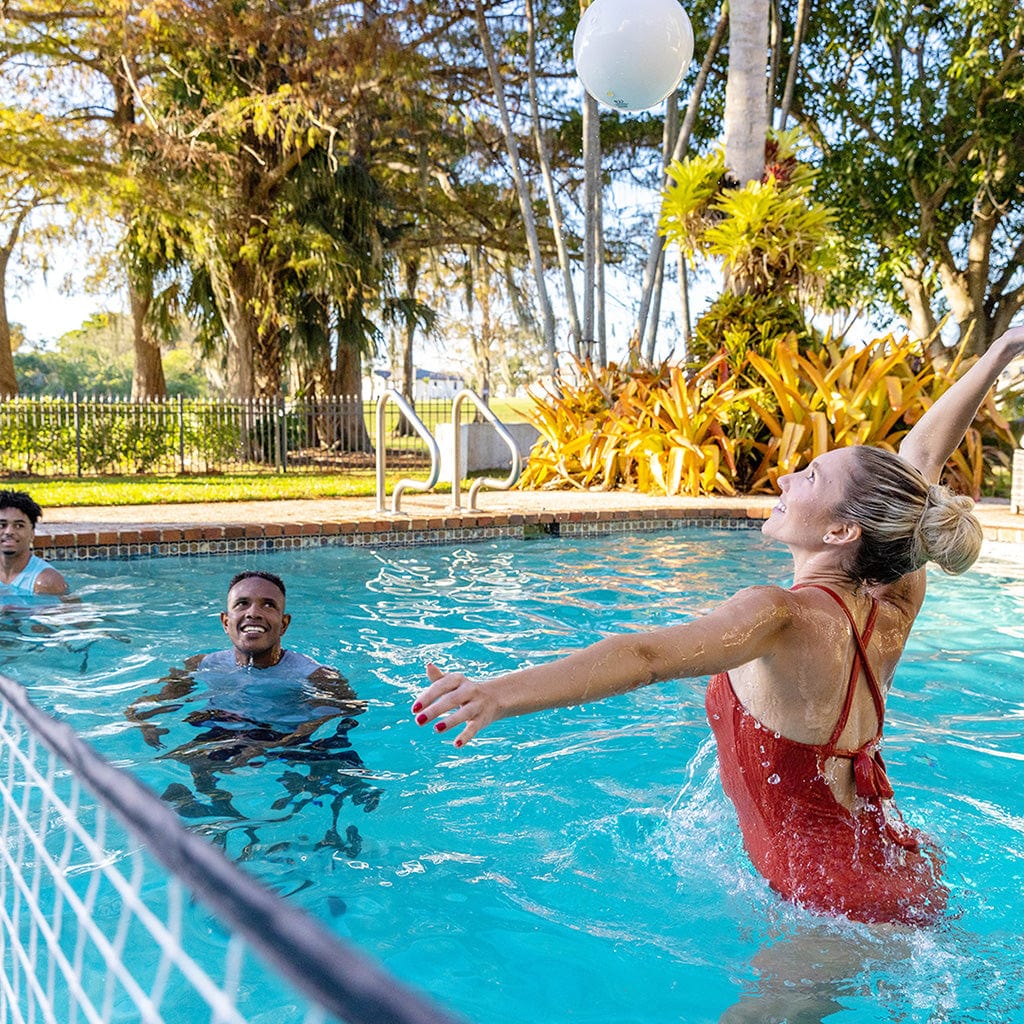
23, 503
260, 575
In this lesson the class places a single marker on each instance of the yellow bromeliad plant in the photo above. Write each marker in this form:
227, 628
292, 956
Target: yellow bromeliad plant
679, 444
659, 430
872, 395
649, 430
570, 414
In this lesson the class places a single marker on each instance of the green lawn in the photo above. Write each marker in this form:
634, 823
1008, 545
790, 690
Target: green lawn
164, 490
511, 410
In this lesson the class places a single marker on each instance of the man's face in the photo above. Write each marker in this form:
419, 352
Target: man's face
255, 621
16, 533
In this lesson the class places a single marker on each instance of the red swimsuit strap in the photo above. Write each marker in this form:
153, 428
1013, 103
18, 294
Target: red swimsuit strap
860, 661
872, 783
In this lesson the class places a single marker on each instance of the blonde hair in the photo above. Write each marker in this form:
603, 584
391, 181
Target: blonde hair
905, 521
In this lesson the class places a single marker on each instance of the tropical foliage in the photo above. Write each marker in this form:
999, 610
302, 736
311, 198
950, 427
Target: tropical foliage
652, 430
663, 431
770, 235
773, 240
915, 110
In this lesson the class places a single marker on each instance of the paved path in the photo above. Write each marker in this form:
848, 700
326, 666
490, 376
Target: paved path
994, 514
116, 531
412, 505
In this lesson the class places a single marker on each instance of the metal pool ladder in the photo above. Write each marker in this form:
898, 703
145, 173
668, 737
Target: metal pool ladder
483, 481
406, 482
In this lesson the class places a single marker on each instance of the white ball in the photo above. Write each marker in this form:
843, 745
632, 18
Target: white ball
630, 54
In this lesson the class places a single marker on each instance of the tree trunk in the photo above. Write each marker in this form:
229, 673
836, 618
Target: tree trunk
148, 369
803, 8
544, 162
591, 234
682, 142
406, 375
670, 133
480, 344
600, 292
655, 314
8, 380
267, 368
522, 187
983, 308
967, 290
254, 365
746, 99
233, 292
774, 57
923, 326
348, 380
684, 301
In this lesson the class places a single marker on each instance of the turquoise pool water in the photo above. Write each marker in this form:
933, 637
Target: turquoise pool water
580, 865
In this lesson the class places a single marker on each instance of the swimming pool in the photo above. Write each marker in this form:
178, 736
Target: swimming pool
578, 865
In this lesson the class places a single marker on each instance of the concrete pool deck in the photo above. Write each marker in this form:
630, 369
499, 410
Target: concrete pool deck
256, 526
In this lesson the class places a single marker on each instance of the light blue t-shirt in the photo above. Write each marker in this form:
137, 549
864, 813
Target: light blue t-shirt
292, 664
25, 581
282, 694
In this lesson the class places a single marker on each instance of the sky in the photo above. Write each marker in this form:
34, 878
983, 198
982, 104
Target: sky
46, 314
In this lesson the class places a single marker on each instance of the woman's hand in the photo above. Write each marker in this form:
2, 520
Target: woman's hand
1013, 340
461, 699
935, 437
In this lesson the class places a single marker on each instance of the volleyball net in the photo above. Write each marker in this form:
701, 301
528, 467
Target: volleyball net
111, 910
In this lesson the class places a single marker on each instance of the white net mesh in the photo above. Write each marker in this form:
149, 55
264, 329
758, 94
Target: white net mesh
95, 928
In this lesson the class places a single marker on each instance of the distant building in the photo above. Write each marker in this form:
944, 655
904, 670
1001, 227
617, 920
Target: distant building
429, 384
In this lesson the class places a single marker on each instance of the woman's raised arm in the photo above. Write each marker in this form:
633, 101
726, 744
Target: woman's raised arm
739, 630
936, 435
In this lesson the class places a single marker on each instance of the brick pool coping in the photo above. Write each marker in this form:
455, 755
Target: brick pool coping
256, 527
213, 539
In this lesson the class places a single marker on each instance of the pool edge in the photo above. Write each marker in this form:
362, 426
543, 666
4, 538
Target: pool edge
254, 526
146, 541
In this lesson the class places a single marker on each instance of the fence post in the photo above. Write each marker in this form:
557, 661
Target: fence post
282, 435
78, 435
181, 433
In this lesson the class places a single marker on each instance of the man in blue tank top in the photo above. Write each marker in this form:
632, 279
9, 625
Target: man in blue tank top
21, 571
255, 678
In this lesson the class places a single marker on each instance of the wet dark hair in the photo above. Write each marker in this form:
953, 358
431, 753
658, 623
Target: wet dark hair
23, 503
260, 575
905, 521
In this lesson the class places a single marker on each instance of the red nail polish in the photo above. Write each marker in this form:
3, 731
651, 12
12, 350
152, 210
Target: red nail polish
441, 726
417, 707
458, 743
421, 719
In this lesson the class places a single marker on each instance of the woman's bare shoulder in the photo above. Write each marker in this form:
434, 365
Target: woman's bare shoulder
905, 596
765, 602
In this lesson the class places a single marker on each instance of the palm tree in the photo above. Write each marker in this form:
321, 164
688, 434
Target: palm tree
746, 90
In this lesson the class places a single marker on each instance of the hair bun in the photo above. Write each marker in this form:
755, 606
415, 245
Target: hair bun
949, 533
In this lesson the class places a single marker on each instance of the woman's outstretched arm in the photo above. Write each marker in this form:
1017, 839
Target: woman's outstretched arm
744, 628
936, 435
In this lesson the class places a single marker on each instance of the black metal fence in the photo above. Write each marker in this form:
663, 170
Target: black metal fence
104, 436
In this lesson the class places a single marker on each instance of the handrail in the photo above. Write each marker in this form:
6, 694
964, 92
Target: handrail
517, 462
406, 482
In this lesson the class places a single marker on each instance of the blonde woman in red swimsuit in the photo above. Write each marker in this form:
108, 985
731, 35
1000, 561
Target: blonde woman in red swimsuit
799, 676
